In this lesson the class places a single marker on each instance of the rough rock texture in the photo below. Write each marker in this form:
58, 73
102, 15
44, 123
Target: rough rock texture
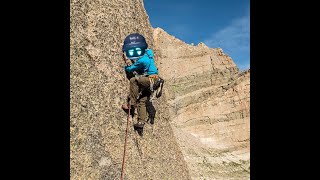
99, 87
209, 103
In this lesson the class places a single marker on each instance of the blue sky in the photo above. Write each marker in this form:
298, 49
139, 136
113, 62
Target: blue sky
217, 23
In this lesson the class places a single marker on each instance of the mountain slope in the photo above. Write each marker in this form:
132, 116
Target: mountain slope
209, 102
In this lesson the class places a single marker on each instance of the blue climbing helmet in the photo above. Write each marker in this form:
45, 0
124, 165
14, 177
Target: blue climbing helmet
134, 46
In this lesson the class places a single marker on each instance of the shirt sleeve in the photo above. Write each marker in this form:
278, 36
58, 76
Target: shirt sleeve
134, 67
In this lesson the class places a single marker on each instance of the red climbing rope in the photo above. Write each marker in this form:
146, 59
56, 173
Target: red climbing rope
125, 144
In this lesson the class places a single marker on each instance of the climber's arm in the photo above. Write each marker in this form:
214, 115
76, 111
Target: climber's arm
134, 67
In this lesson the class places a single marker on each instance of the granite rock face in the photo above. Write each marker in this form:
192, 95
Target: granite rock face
209, 103
98, 87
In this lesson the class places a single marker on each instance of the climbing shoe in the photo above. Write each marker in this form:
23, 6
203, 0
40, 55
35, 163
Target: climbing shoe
139, 128
151, 120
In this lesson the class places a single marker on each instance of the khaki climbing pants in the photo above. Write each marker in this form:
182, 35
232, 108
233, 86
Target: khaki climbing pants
141, 84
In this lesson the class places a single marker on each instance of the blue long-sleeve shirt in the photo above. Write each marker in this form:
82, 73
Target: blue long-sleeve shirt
144, 65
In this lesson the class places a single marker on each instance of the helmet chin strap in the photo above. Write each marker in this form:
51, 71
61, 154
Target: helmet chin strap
135, 58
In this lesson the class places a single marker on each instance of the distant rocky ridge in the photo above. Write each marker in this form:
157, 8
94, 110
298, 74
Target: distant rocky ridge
209, 102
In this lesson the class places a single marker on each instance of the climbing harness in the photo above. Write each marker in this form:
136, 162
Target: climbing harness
156, 85
152, 78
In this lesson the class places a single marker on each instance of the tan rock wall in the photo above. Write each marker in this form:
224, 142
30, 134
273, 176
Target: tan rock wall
98, 87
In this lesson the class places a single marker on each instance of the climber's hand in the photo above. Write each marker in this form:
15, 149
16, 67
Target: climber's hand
128, 62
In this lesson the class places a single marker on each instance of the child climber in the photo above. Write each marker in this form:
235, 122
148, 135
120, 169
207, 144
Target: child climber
145, 73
